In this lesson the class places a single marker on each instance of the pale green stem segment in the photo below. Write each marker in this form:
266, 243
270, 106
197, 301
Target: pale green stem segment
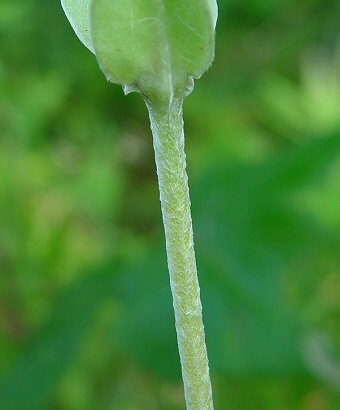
168, 138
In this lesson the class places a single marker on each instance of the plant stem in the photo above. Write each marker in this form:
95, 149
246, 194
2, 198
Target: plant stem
168, 140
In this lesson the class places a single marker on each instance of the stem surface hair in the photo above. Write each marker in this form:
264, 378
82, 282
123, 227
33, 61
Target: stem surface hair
168, 141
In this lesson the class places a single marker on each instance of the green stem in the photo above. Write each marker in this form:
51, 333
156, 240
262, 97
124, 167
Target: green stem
168, 137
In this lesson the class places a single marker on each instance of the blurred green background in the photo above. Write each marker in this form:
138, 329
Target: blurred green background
85, 307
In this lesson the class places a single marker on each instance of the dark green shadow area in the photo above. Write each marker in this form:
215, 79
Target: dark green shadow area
249, 235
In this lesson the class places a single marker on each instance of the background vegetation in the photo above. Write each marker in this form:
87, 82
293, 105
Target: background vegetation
85, 307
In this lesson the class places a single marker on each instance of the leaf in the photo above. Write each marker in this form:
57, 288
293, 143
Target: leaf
78, 14
244, 252
144, 286
30, 384
245, 248
156, 46
214, 10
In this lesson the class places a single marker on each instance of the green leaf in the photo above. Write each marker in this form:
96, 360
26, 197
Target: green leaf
213, 10
244, 255
32, 381
78, 14
245, 249
155, 46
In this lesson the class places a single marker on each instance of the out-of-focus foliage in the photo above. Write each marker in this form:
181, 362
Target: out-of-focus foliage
85, 308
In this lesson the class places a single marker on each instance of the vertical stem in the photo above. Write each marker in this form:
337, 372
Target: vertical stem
168, 139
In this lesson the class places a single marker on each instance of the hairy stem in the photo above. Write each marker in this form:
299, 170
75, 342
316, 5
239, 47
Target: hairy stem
168, 139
